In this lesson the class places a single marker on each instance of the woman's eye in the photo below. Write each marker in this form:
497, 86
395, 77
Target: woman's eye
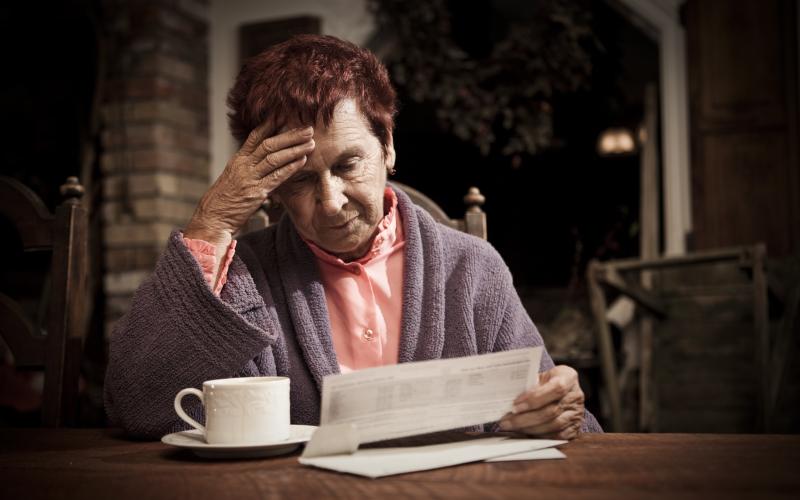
300, 179
345, 168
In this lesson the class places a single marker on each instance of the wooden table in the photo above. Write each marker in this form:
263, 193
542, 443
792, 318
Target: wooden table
99, 463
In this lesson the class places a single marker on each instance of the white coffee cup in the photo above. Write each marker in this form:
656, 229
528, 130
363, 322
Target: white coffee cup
247, 410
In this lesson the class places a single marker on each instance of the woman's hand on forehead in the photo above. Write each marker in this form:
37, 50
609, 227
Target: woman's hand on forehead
264, 162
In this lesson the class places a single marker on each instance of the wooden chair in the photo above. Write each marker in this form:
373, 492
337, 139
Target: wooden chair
58, 348
705, 355
474, 221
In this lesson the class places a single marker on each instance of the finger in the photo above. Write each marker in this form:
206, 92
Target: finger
533, 417
538, 397
281, 141
559, 376
559, 371
283, 157
559, 424
275, 178
574, 401
571, 432
544, 377
257, 135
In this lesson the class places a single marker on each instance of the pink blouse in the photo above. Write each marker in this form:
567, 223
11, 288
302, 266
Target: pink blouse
364, 297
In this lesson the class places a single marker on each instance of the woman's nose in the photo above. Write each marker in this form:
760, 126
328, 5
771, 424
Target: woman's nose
331, 196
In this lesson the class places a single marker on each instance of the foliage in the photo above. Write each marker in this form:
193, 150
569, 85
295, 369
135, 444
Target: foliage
502, 100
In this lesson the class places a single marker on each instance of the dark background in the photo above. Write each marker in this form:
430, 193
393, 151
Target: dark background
548, 214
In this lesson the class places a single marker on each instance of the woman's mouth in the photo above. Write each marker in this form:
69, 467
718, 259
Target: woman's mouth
343, 225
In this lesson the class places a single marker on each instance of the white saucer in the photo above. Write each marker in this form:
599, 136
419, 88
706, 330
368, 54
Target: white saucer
194, 440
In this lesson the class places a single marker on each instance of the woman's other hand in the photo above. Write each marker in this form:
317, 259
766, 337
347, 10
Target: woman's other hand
258, 168
553, 409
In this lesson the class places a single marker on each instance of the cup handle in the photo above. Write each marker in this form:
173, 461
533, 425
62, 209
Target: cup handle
179, 409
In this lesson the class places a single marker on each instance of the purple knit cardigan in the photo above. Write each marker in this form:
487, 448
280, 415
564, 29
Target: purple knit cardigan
271, 319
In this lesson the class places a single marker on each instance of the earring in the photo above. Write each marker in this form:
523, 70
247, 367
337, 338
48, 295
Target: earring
392, 171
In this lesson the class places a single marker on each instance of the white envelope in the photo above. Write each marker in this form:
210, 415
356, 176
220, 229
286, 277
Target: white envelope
379, 462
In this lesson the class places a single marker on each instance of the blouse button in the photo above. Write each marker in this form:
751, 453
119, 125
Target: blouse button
368, 335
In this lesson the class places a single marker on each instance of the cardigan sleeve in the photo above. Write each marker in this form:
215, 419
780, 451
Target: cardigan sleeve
517, 330
177, 334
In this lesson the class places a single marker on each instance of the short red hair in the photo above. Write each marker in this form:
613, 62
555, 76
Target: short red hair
304, 78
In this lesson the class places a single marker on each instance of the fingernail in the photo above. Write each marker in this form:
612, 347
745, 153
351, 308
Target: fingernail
505, 425
519, 408
308, 131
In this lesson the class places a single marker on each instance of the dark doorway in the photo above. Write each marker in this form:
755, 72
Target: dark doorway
51, 53
550, 213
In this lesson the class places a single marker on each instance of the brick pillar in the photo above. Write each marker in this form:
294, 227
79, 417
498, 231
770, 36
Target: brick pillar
155, 141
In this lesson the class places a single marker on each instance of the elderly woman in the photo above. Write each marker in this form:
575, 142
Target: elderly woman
354, 276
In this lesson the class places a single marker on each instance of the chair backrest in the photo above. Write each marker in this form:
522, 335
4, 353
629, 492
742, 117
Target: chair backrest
705, 359
58, 348
474, 221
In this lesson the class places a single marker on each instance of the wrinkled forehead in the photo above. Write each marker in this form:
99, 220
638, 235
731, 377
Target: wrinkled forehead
347, 124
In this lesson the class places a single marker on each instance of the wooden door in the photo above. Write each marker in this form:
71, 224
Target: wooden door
744, 123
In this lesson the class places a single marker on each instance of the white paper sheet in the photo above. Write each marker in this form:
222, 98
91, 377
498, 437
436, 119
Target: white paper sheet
417, 398
545, 454
379, 462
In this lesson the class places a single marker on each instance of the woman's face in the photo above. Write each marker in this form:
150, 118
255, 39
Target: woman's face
336, 199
